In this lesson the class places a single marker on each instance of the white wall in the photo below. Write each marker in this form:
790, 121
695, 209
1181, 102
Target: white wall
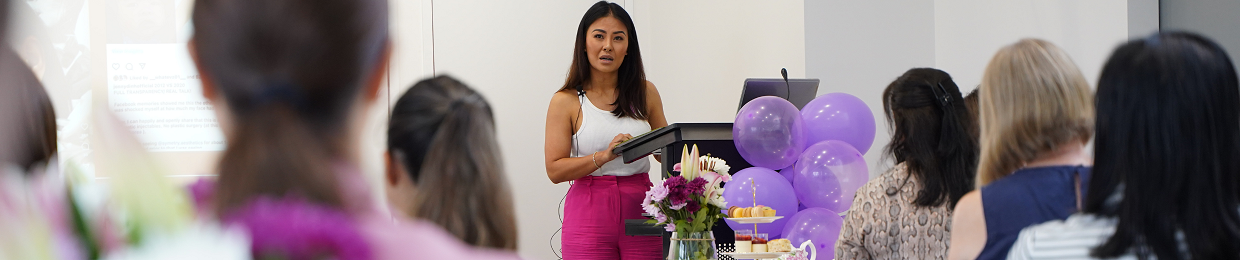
699, 52
859, 47
517, 54
969, 32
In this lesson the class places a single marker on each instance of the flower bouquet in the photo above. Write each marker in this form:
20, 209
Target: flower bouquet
689, 204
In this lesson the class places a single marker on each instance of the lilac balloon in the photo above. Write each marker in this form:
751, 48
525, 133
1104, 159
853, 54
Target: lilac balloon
839, 116
822, 226
772, 191
828, 175
768, 132
789, 172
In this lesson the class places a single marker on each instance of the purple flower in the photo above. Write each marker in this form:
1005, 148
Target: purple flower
295, 229
693, 206
674, 181
670, 227
201, 192
696, 186
676, 190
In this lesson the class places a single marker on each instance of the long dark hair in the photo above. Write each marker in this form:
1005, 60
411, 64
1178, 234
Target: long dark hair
630, 78
27, 120
931, 135
443, 134
1165, 160
290, 72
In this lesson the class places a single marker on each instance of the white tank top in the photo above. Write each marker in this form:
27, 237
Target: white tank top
598, 127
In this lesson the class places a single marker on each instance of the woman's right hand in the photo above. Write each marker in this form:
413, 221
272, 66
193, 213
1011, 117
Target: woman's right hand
615, 141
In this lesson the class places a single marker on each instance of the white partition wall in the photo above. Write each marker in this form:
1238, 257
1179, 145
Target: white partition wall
969, 32
859, 47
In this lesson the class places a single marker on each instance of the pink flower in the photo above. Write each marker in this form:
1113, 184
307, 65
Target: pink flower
670, 227
676, 168
714, 177
650, 208
657, 193
679, 206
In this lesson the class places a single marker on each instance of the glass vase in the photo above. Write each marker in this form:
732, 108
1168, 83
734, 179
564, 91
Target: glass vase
693, 246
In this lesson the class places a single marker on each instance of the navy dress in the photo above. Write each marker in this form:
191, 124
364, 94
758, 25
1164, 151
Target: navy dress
1028, 197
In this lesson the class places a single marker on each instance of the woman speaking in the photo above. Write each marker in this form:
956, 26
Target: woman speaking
605, 100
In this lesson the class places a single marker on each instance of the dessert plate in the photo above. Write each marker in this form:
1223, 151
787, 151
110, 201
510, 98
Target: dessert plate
756, 220
761, 255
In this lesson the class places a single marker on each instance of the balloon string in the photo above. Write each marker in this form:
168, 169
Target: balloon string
755, 201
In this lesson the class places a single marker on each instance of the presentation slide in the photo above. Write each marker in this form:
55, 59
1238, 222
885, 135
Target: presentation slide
127, 56
152, 82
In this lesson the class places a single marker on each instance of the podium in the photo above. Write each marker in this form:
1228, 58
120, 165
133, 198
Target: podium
714, 139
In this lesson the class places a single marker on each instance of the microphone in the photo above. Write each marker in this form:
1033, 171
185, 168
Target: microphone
787, 87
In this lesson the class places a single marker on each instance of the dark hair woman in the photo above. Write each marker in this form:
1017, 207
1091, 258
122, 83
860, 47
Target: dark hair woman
27, 121
605, 100
936, 157
1165, 183
290, 81
444, 165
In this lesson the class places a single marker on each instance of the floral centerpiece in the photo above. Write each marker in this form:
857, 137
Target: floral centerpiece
689, 204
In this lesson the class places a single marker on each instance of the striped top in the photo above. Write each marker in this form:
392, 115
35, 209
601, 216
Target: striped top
1073, 238
1064, 239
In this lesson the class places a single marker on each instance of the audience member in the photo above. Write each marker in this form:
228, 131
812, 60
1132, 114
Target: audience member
27, 120
290, 82
1036, 114
970, 102
935, 157
1165, 183
444, 165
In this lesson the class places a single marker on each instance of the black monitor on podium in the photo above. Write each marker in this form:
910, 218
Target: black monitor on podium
711, 138
797, 91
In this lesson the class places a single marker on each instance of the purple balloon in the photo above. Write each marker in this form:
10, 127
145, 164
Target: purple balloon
839, 116
789, 172
772, 191
768, 132
822, 226
828, 175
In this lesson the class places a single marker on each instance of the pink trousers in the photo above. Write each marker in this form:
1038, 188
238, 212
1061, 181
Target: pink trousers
594, 215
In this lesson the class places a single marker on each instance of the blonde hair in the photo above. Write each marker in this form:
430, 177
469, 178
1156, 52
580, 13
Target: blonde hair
1032, 99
